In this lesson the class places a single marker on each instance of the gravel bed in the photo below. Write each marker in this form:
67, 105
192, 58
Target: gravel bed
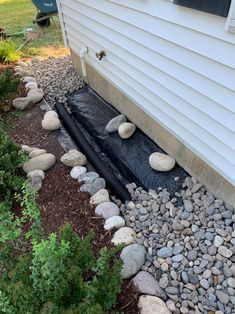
57, 77
190, 248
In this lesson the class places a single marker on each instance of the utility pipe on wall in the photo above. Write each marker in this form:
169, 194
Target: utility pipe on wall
82, 53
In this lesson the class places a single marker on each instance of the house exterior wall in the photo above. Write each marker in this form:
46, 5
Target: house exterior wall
175, 64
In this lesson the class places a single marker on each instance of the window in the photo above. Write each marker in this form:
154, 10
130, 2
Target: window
217, 7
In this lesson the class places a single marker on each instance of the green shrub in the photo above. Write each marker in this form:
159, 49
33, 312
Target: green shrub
62, 275
8, 86
8, 51
11, 157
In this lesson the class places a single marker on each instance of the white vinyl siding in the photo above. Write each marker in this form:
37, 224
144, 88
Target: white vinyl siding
175, 63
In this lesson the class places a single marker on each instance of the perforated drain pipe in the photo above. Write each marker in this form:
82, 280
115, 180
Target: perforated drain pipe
113, 183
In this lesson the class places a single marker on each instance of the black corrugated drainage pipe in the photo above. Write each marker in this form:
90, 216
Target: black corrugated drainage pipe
113, 183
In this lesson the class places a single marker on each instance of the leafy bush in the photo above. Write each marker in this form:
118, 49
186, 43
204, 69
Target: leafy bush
11, 157
8, 86
8, 51
62, 275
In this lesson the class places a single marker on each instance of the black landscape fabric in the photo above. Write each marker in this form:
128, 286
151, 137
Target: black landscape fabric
129, 156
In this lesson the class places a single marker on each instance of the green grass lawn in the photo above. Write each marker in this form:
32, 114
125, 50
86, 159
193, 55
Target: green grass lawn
15, 15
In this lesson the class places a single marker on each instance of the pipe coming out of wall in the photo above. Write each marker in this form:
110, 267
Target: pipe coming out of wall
82, 54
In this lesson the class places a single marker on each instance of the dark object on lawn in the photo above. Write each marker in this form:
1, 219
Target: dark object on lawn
115, 185
131, 156
46, 10
217, 7
3, 34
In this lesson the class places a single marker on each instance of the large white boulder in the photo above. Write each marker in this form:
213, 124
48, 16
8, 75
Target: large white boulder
31, 85
28, 79
107, 210
50, 114
77, 171
22, 103
114, 124
51, 123
145, 283
41, 162
100, 197
73, 158
22, 72
35, 95
161, 162
114, 222
124, 235
37, 152
126, 129
133, 257
22, 64
152, 305
36, 173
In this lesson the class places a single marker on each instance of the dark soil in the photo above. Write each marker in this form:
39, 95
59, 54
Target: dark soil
59, 199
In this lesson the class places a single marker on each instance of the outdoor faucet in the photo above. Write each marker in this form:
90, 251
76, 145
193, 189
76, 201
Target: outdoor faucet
100, 55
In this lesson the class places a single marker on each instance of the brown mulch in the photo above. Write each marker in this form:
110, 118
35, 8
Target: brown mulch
59, 199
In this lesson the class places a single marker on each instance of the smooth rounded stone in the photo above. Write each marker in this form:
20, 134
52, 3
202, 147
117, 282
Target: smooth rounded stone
27, 149
222, 250
150, 305
188, 206
192, 255
161, 162
222, 296
177, 258
50, 114
107, 210
164, 252
184, 277
93, 187
31, 85
212, 250
36, 173
124, 235
210, 210
206, 274
133, 257
171, 290
193, 278
218, 241
177, 249
28, 79
22, 64
163, 281
227, 214
73, 158
204, 283
37, 152
35, 184
22, 72
114, 124
88, 177
41, 162
145, 283
51, 123
101, 196
35, 95
77, 171
22, 103
177, 226
114, 222
171, 305
126, 130
231, 282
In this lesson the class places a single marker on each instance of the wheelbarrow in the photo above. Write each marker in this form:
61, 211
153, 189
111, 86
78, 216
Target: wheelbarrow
46, 10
